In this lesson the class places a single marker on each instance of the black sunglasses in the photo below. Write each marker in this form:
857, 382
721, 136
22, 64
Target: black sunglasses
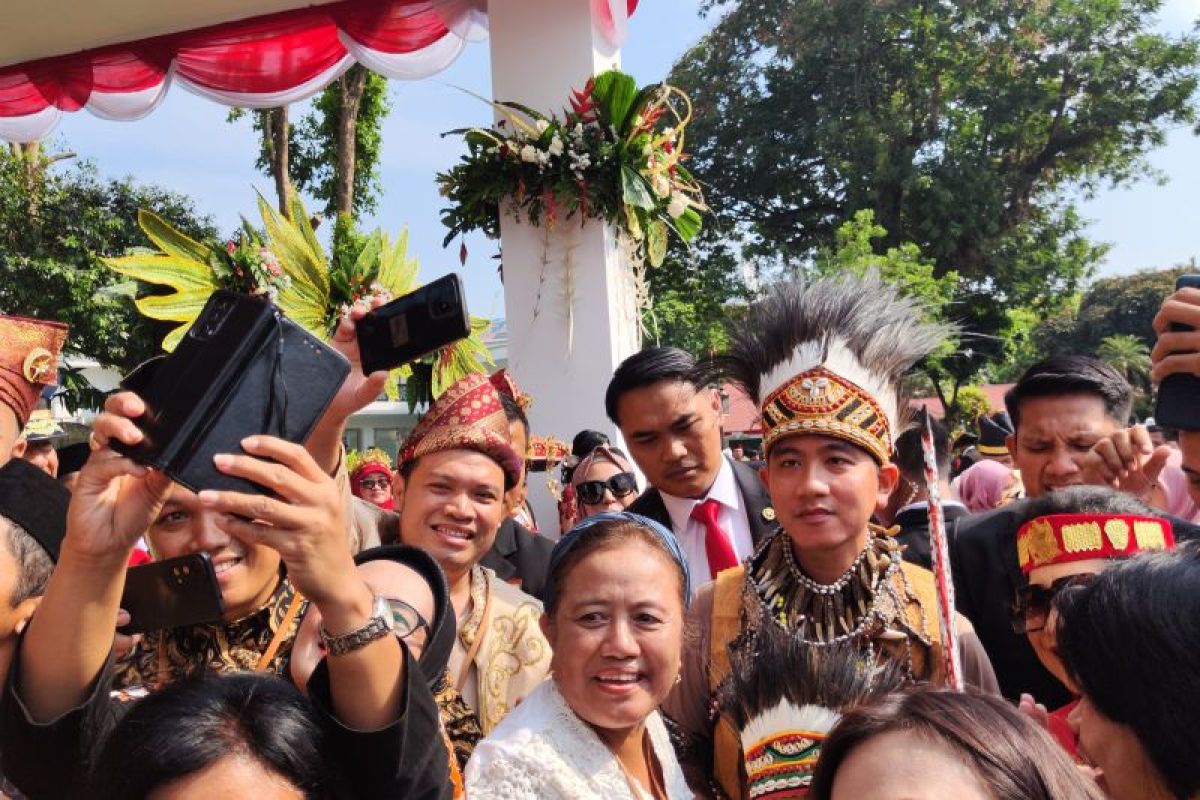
1033, 603
376, 483
622, 484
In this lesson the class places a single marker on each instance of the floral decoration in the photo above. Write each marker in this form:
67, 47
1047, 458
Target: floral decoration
286, 264
616, 154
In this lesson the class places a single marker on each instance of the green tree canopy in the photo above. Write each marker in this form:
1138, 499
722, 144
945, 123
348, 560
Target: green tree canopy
55, 223
965, 127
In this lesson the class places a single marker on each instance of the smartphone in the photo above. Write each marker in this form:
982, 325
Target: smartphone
414, 325
242, 369
170, 594
1178, 403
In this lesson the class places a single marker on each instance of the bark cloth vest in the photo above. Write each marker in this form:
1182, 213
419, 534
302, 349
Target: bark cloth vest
732, 593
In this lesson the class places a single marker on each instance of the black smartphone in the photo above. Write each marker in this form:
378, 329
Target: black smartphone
171, 594
1178, 403
243, 368
414, 325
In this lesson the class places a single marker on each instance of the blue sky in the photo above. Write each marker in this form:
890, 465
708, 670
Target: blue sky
186, 145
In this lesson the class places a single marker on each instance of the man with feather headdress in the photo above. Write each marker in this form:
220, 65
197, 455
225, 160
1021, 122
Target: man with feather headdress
824, 362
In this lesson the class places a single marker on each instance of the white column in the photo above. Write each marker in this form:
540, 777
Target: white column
568, 297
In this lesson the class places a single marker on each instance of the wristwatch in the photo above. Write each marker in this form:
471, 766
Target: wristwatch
376, 628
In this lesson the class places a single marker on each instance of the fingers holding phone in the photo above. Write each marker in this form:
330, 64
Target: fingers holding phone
115, 499
304, 521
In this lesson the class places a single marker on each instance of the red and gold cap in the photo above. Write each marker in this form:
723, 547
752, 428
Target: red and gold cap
467, 416
369, 462
29, 350
507, 385
1063, 538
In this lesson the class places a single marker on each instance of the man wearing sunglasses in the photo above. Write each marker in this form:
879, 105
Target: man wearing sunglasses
671, 421
1068, 538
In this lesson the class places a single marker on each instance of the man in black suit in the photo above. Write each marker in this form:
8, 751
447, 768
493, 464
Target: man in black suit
717, 507
1061, 408
909, 503
519, 556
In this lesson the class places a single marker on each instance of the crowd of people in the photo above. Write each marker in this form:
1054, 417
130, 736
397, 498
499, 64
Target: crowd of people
871, 611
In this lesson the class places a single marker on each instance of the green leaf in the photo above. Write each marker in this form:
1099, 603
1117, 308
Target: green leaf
634, 189
397, 272
177, 307
616, 92
656, 242
687, 224
178, 273
170, 240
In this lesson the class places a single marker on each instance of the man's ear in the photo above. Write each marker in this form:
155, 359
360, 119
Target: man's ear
889, 476
19, 447
1010, 442
21, 616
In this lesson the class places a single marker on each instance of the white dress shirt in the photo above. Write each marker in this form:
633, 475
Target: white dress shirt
691, 533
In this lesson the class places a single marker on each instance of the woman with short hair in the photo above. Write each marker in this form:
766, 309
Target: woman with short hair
616, 594
928, 744
1131, 644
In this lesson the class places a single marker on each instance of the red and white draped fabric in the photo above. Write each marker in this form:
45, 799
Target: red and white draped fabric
262, 62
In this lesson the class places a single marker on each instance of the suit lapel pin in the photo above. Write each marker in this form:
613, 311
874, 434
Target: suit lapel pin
768, 514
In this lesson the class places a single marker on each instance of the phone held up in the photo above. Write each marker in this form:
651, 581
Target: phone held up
243, 368
414, 325
1178, 404
172, 593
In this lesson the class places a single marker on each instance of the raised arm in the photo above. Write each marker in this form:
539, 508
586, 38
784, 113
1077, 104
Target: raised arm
114, 502
306, 524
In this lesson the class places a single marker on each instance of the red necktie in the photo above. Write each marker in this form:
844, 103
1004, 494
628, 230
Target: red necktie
717, 546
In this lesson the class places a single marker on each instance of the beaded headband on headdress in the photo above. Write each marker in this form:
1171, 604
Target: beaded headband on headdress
828, 358
1063, 538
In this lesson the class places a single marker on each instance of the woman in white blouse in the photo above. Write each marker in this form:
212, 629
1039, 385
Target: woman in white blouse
614, 608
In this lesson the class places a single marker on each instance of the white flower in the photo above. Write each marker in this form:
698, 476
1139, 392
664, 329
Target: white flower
578, 130
661, 185
543, 157
529, 153
541, 126
678, 205
556, 146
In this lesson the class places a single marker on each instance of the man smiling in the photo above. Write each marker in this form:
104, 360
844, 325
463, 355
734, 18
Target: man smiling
454, 470
824, 362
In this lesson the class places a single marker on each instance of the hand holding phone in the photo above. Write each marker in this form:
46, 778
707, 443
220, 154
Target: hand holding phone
1176, 357
414, 325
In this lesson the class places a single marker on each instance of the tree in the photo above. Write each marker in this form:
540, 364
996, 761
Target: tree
1129, 356
54, 225
964, 127
1122, 305
274, 150
693, 300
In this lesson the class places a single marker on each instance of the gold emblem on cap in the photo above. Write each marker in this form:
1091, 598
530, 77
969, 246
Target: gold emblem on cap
38, 365
768, 514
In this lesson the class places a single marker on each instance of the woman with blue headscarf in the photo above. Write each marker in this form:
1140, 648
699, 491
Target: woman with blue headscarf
615, 598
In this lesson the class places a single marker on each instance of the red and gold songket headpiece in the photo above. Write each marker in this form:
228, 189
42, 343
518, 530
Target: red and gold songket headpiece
29, 351
828, 358
467, 416
1063, 538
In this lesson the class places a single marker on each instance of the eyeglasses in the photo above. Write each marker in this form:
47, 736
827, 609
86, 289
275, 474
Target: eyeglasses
406, 620
1034, 603
622, 484
375, 483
